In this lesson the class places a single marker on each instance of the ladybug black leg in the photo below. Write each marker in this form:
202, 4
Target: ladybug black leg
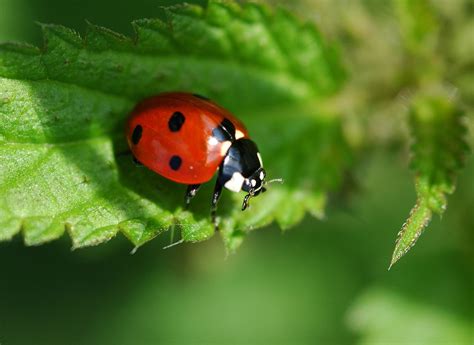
137, 162
215, 199
190, 193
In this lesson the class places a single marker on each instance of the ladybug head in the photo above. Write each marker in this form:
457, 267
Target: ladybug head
257, 187
242, 169
254, 185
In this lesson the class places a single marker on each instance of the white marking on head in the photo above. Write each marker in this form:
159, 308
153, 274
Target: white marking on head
253, 183
225, 147
235, 183
238, 134
260, 159
262, 175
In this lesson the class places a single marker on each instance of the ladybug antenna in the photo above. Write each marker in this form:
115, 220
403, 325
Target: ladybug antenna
279, 180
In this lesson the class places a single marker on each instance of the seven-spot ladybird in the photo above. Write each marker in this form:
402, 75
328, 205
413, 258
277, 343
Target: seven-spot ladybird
186, 138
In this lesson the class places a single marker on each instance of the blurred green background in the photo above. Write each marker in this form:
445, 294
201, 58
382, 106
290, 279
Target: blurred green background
320, 283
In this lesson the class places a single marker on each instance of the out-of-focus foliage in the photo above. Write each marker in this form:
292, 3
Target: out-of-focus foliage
401, 55
11, 12
384, 318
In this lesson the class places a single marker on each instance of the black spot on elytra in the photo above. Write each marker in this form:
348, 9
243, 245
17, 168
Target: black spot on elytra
137, 134
204, 98
225, 131
176, 121
175, 162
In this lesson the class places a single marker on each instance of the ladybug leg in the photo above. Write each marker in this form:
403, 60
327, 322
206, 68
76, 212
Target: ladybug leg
137, 162
190, 193
215, 199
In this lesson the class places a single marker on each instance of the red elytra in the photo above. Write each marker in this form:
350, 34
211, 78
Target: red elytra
191, 141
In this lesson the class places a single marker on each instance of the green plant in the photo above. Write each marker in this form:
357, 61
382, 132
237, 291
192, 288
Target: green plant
63, 109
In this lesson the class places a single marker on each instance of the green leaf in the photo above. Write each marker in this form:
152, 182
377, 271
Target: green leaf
418, 24
63, 109
438, 130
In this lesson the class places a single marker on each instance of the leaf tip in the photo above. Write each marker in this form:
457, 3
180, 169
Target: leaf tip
55, 31
394, 260
418, 220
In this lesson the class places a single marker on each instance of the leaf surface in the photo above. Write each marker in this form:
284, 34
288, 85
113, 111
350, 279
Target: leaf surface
63, 110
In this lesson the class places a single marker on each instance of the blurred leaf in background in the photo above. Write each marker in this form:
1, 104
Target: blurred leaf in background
11, 14
398, 61
383, 317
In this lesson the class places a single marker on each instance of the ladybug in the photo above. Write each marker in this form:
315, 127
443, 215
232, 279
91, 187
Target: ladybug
187, 138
